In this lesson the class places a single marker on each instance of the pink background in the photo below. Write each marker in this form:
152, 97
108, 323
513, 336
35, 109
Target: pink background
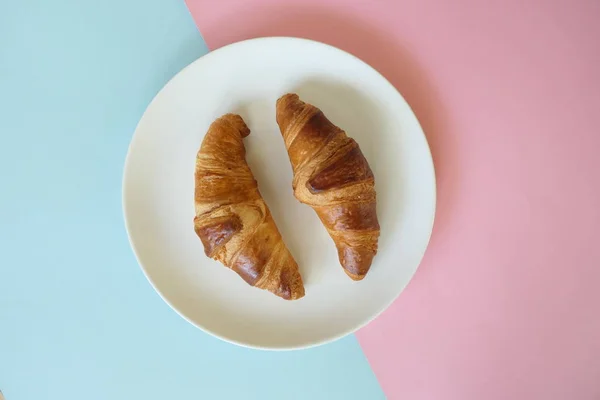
506, 303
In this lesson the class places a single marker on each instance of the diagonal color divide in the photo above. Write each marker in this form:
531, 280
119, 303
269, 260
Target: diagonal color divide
505, 303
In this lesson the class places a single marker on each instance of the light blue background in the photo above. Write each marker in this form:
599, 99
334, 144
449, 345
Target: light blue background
77, 318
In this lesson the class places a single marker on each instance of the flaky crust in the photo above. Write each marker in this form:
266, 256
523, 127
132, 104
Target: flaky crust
333, 177
232, 220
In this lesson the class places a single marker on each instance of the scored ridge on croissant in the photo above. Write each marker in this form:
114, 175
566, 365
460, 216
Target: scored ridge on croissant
333, 177
232, 219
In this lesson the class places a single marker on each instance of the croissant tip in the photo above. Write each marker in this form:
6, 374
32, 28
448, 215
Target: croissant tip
294, 295
297, 296
355, 277
238, 122
356, 261
297, 291
287, 96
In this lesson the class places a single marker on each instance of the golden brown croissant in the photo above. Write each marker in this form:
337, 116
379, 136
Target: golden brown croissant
232, 219
333, 177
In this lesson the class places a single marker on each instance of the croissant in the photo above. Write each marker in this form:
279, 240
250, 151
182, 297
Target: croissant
232, 219
333, 177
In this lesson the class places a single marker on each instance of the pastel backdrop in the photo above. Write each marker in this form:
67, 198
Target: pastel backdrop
506, 303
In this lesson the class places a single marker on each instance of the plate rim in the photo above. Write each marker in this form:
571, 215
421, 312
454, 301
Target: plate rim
124, 184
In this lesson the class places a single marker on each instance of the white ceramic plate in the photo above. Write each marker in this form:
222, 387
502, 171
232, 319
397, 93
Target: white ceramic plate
247, 78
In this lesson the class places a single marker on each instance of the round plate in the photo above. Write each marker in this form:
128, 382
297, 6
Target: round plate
247, 78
